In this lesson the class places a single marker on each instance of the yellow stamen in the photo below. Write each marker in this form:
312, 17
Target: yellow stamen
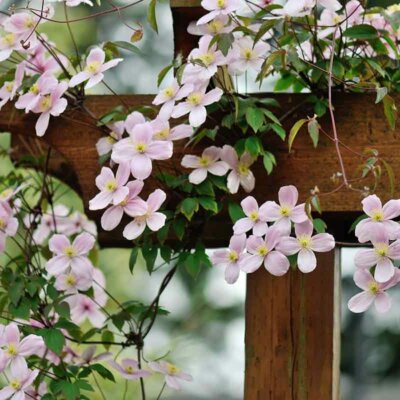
111, 186
93, 67
285, 211
69, 251
233, 256
381, 249
15, 384
262, 250
373, 287
141, 147
169, 91
194, 98
172, 369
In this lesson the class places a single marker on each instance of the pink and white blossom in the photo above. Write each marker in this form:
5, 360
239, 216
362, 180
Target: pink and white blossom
9, 88
378, 215
382, 255
241, 175
231, 258
208, 162
112, 187
218, 25
106, 144
95, 66
129, 369
74, 281
83, 307
113, 215
264, 251
218, 8
162, 130
70, 256
145, 213
306, 245
172, 373
140, 149
88, 355
286, 212
195, 105
8, 224
373, 292
255, 219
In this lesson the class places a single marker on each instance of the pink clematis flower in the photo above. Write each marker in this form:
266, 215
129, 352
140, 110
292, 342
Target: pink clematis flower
218, 25
195, 105
218, 8
50, 104
37, 393
207, 163
231, 258
112, 188
240, 174
295, 8
373, 291
172, 373
255, 218
19, 383
73, 281
8, 224
129, 369
78, 223
106, 144
9, 88
381, 256
140, 149
378, 215
11, 41
21, 23
83, 307
264, 251
286, 211
306, 245
162, 130
245, 55
88, 356
145, 214
168, 96
14, 350
95, 66
113, 215
67, 255
133, 119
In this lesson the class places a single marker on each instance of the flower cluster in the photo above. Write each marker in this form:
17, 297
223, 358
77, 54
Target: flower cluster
383, 233
270, 243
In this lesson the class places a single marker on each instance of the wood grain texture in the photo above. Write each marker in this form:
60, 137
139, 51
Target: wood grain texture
290, 334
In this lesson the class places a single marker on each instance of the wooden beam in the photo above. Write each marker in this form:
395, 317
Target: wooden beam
293, 333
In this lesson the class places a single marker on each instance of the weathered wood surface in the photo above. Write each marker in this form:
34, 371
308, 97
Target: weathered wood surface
292, 334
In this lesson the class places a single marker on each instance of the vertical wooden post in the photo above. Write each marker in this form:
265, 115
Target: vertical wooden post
292, 334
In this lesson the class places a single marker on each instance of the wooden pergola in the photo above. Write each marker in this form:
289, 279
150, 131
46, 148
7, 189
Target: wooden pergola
292, 322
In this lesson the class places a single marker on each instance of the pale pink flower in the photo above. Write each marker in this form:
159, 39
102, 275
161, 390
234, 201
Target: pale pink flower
50, 104
42, 87
8, 224
217, 26
241, 174
162, 130
208, 58
88, 356
133, 119
113, 215
21, 23
95, 66
145, 214
306, 245
79, 223
20, 380
41, 62
14, 350
169, 95
67, 255
378, 215
140, 149
208, 162
264, 251
105, 144
112, 188
75, 3
129, 369
172, 373
195, 105
381, 256
83, 307
9, 88
295, 8
373, 291
231, 258
74, 281
255, 219
218, 8
37, 393
286, 211
333, 5
245, 55
11, 41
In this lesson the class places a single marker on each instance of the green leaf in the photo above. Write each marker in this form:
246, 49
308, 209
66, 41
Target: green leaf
107, 336
253, 146
128, 46
381, 92
103, 372
53, 339
235, 211
319, 225
361, 32
133, 258
188, 207
295, 130
271, 116
390, 111
269, 162
255, 118
150, 252
163, 73
179, 228
313, 130
225, 41
279, 130
209, 204
151, 15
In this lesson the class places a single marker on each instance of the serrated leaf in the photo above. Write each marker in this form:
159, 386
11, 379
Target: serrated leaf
189, 207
